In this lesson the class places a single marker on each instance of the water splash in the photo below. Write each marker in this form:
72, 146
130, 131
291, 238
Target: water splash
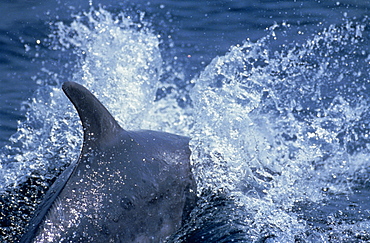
119, 58
277, 128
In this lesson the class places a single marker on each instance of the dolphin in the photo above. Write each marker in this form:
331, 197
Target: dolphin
126, 186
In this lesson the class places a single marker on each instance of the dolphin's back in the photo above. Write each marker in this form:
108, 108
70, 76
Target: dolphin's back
127, 186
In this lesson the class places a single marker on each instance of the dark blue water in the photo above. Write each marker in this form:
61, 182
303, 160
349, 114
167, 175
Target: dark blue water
274, 95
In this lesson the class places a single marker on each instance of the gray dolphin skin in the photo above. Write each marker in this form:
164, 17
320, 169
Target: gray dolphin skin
127, 186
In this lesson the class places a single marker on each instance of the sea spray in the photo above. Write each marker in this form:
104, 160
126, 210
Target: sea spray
277, 128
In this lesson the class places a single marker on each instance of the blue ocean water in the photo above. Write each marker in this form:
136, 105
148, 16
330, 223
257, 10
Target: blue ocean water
274, 95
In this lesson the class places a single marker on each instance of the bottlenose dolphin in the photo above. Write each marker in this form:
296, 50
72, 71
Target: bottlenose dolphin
126, 186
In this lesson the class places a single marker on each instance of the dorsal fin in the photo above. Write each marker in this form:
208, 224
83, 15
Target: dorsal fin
98, 124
